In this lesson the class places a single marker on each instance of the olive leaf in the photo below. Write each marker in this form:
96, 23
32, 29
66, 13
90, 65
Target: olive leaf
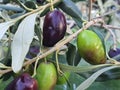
92, 78
71, 9
73, 57
3, 66
4, 27
82, 69
21, 41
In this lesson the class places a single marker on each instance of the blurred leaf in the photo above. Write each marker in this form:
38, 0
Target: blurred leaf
2, 53
73, 57
21, 41
45, 12
5, 80
92, 78
82, 69
78, 0
3, 66
71, 54
4, 15
71, 9
30, 4
4, 27
77, 58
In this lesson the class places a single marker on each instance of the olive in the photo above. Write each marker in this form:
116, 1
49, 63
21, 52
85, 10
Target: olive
90, 47
54, 28
23, 82
113, 53
46, 76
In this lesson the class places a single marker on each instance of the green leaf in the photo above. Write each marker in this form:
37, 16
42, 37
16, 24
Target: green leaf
77, 58
71, 9
30, 4
82, 69
73, 57
3, 66
92, 78
71, 54
21, 41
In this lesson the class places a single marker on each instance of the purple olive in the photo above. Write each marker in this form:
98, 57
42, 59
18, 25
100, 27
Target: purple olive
54, 28
23, 82
113, 53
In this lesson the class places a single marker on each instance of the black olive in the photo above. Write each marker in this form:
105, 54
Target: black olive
54, 28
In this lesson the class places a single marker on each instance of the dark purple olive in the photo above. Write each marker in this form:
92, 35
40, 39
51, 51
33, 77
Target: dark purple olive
40, 1
113, 53
54, 28
23, 82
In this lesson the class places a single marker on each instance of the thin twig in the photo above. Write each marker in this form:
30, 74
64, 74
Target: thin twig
90, 8
113, 35
101, 6
58, 45
108, 13
108, 26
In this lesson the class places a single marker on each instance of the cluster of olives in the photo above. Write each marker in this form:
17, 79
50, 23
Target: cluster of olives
45, 79
89, 46
54, 29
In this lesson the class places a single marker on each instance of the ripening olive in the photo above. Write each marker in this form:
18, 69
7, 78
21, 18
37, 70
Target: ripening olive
90, 47
23, 82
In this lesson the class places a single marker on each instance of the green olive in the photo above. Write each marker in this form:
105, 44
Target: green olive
46, 76
90, 47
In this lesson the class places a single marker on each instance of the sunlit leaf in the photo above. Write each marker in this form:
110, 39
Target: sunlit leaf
92, 78
21, 41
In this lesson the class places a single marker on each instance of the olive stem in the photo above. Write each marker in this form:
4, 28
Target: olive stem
51, 7
35, 67
108, 13
108, 26
57, 63
45, 60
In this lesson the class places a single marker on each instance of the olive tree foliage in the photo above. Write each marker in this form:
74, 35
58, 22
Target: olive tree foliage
21, 32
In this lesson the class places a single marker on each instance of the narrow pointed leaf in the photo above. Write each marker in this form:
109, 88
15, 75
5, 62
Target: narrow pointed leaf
92, 78
21, 41
71, 9
3, 66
